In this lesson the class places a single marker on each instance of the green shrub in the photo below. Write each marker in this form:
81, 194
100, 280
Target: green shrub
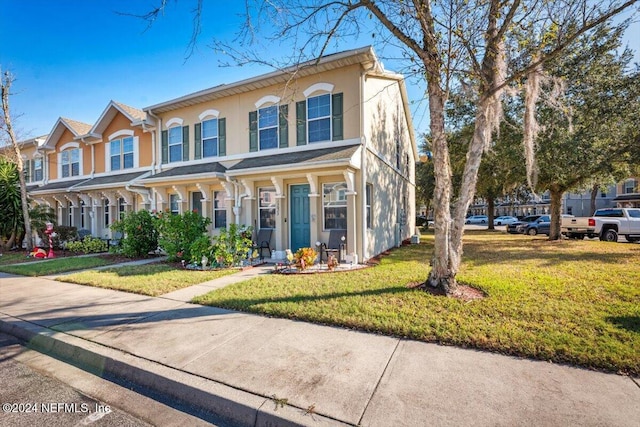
88, 245
176, 233
139, 232
232, 245
63, 236
200, 248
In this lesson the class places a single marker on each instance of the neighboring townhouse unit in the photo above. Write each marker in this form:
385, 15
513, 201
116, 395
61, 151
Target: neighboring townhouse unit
628, 193
324, 146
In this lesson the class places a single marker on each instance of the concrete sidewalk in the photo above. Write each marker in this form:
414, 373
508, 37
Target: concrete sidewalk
255, 370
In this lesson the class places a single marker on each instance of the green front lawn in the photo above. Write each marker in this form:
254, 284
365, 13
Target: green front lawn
569, 301
148, 279
56, 265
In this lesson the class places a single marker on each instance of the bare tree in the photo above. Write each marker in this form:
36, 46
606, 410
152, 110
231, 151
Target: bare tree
7, 126
487, 47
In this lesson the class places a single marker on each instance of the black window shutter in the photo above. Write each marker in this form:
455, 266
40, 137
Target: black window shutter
336, 104
165, 147
283, 127
253, 131
222, 137
185, 143
197, 135
301, 123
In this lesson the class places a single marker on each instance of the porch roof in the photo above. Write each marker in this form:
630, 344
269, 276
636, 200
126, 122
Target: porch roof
58, 185
297, 158
187, 171
118, 180
627, 197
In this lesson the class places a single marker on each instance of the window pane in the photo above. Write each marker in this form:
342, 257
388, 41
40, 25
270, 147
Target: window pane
175, 153
268, 138
127, 145
75, 169
218, 200
320, 130
38, 175
267, 218
210, 147
175, 135
268, 117
210, 128
128, 161
319, 106
173, 203
220, 219
115, 147
267, 208
115, 163
219, 209
64, 157
75, 155
65, 170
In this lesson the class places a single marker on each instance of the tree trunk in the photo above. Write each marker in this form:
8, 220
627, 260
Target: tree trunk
491, 205
443, 269
7, 79
556, 214
594, 194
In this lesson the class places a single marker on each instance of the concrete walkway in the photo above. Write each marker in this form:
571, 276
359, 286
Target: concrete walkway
259, 371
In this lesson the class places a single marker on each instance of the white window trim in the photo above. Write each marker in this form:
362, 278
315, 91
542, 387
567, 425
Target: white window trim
68, 145
173, 122
209, 114
269, 99
214, 209
217, 137
119, 133
80, 162
169, 143
318, 87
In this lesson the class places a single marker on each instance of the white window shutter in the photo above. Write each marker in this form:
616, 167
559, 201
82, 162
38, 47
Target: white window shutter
59, 165
136, 152
107, 157
80, 171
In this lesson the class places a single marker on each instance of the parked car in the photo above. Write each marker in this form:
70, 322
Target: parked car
605, 224
542, 225
477, 219
420, 220
519, 226
505, 220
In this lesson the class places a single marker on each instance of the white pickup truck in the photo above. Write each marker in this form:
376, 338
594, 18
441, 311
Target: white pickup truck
606, 224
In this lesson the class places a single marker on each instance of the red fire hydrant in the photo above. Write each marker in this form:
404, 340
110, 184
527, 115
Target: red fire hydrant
49, 232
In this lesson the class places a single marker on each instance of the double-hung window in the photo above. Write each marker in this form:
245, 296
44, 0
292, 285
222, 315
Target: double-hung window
319, 118
268, 127
106, 213
175, 144
267, 208
630, 186
210, 138
334, 201
219, 209
70, 162
121, 151
37, 169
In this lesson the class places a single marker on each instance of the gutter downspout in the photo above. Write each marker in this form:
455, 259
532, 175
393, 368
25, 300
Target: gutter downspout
237, 209
363, 165
154, 161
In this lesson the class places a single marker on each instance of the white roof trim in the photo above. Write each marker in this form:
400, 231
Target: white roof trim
209, 113
267, 99
173, 122
325, 87
121, 132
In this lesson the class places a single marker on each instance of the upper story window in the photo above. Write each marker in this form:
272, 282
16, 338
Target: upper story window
268, 127
175, 144
175, 141
630, 186
37, 169
319, 118
121, 153
70, 163
210, 138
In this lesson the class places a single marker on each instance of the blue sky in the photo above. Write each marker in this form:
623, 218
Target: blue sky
71, 58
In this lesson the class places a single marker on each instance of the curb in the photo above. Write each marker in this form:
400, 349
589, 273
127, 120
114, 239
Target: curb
199, 394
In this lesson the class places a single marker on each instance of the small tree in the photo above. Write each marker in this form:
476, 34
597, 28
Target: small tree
178, 232
140, 236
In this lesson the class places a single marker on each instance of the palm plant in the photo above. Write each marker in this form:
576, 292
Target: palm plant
10, 204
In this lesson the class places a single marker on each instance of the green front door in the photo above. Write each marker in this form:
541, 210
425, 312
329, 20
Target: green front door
299, 218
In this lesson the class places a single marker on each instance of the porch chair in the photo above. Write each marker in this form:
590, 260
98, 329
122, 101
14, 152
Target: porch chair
333, 246
263, 241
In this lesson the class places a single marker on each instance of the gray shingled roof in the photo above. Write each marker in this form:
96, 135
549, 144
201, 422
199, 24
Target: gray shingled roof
62, 185
212, 167
111, 180
295, 158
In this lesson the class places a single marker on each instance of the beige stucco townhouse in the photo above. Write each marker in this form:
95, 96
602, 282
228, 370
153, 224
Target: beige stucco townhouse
328, 145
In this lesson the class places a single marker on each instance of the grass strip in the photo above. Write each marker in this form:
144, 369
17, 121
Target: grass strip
56, 265
149, 279
567, 301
